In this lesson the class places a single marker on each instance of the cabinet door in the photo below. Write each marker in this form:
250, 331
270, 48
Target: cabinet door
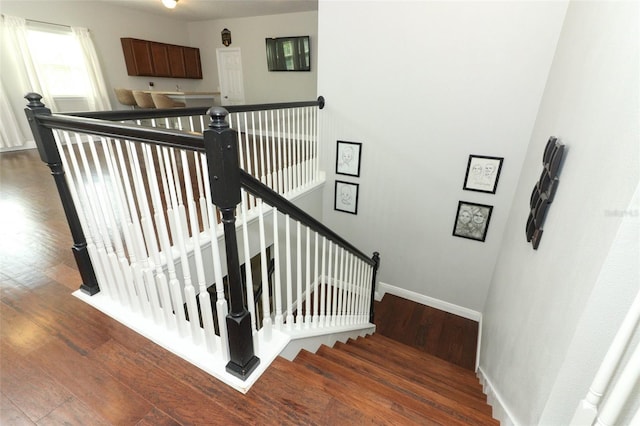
192, 62
137, 56
160, 56
176, 61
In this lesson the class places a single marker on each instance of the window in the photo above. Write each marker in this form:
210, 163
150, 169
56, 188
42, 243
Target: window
59, 62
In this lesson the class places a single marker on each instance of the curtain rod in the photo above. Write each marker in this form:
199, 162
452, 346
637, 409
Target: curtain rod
47, 23
35, 21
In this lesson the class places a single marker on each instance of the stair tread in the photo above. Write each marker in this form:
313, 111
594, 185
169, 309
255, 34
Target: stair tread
400, 401
294, 383
435, 365
441, 392
421, 376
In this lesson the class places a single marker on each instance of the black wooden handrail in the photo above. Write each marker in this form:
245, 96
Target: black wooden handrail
255, 187
154, 135
141, 114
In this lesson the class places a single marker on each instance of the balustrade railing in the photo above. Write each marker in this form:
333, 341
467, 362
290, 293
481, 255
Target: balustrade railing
156, 214
592, 409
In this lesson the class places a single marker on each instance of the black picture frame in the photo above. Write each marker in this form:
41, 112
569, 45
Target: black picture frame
346, 197
483, 173
472, 220
348, 155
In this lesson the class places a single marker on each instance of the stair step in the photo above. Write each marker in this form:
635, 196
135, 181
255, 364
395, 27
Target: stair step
290, 382
349, 382
437, 367
471, 395
452, 402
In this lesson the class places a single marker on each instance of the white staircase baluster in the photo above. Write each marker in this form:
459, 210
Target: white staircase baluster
334, 288
266, 309
163, 286
117, 255
149, 235
179, 240
588, 407
289, 320
135, 230
222, 308
316, 279
203, 294
256, 171
349, 290
323, 282
202, 202
299, 316
621, 391
167, 232
308, 309
277, 288
296, 150
93, 203
279, 164
181, 219
77, 188
248, 273
125, 222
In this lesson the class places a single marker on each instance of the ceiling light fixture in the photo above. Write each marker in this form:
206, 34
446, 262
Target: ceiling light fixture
170, 4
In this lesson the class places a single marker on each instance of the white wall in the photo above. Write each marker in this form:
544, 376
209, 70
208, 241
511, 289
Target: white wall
249, 35
422, 85
537, 298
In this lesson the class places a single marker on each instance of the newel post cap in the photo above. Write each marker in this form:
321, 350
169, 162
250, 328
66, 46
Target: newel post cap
218, 116
34, 100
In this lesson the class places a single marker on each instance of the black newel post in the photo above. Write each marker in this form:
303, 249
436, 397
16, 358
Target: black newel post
50, 155
376, 260
221, 145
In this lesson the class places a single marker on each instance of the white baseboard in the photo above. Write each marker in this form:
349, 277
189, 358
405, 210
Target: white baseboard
500, 411
427, 301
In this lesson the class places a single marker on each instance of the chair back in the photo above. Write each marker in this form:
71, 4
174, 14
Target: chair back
143, 99
163, 101
125, 96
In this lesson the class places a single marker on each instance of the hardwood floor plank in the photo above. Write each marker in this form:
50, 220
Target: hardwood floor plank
12, 415
471, 397
155, 417
440, 369
73, 413
28, 386
373, 397
161, 389
436, 332
20, 332
357, 405
457, 407
91, 383
182, 371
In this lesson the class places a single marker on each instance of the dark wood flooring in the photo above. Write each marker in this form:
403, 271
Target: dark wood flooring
447, 336
63, 362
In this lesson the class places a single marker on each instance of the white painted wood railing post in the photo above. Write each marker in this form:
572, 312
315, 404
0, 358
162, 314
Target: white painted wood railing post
621, 392
277, 290
588, 408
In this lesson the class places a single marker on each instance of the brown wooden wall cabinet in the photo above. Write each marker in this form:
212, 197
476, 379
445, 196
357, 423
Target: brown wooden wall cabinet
153, 59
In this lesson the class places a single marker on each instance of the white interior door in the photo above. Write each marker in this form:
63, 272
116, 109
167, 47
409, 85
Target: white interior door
230, 76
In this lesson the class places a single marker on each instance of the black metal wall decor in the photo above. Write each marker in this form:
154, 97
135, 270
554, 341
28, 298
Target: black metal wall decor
226, 37
544, 190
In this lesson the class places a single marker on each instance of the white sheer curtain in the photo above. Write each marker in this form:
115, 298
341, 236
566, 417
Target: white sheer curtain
99, 101
10, 133
14, 31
